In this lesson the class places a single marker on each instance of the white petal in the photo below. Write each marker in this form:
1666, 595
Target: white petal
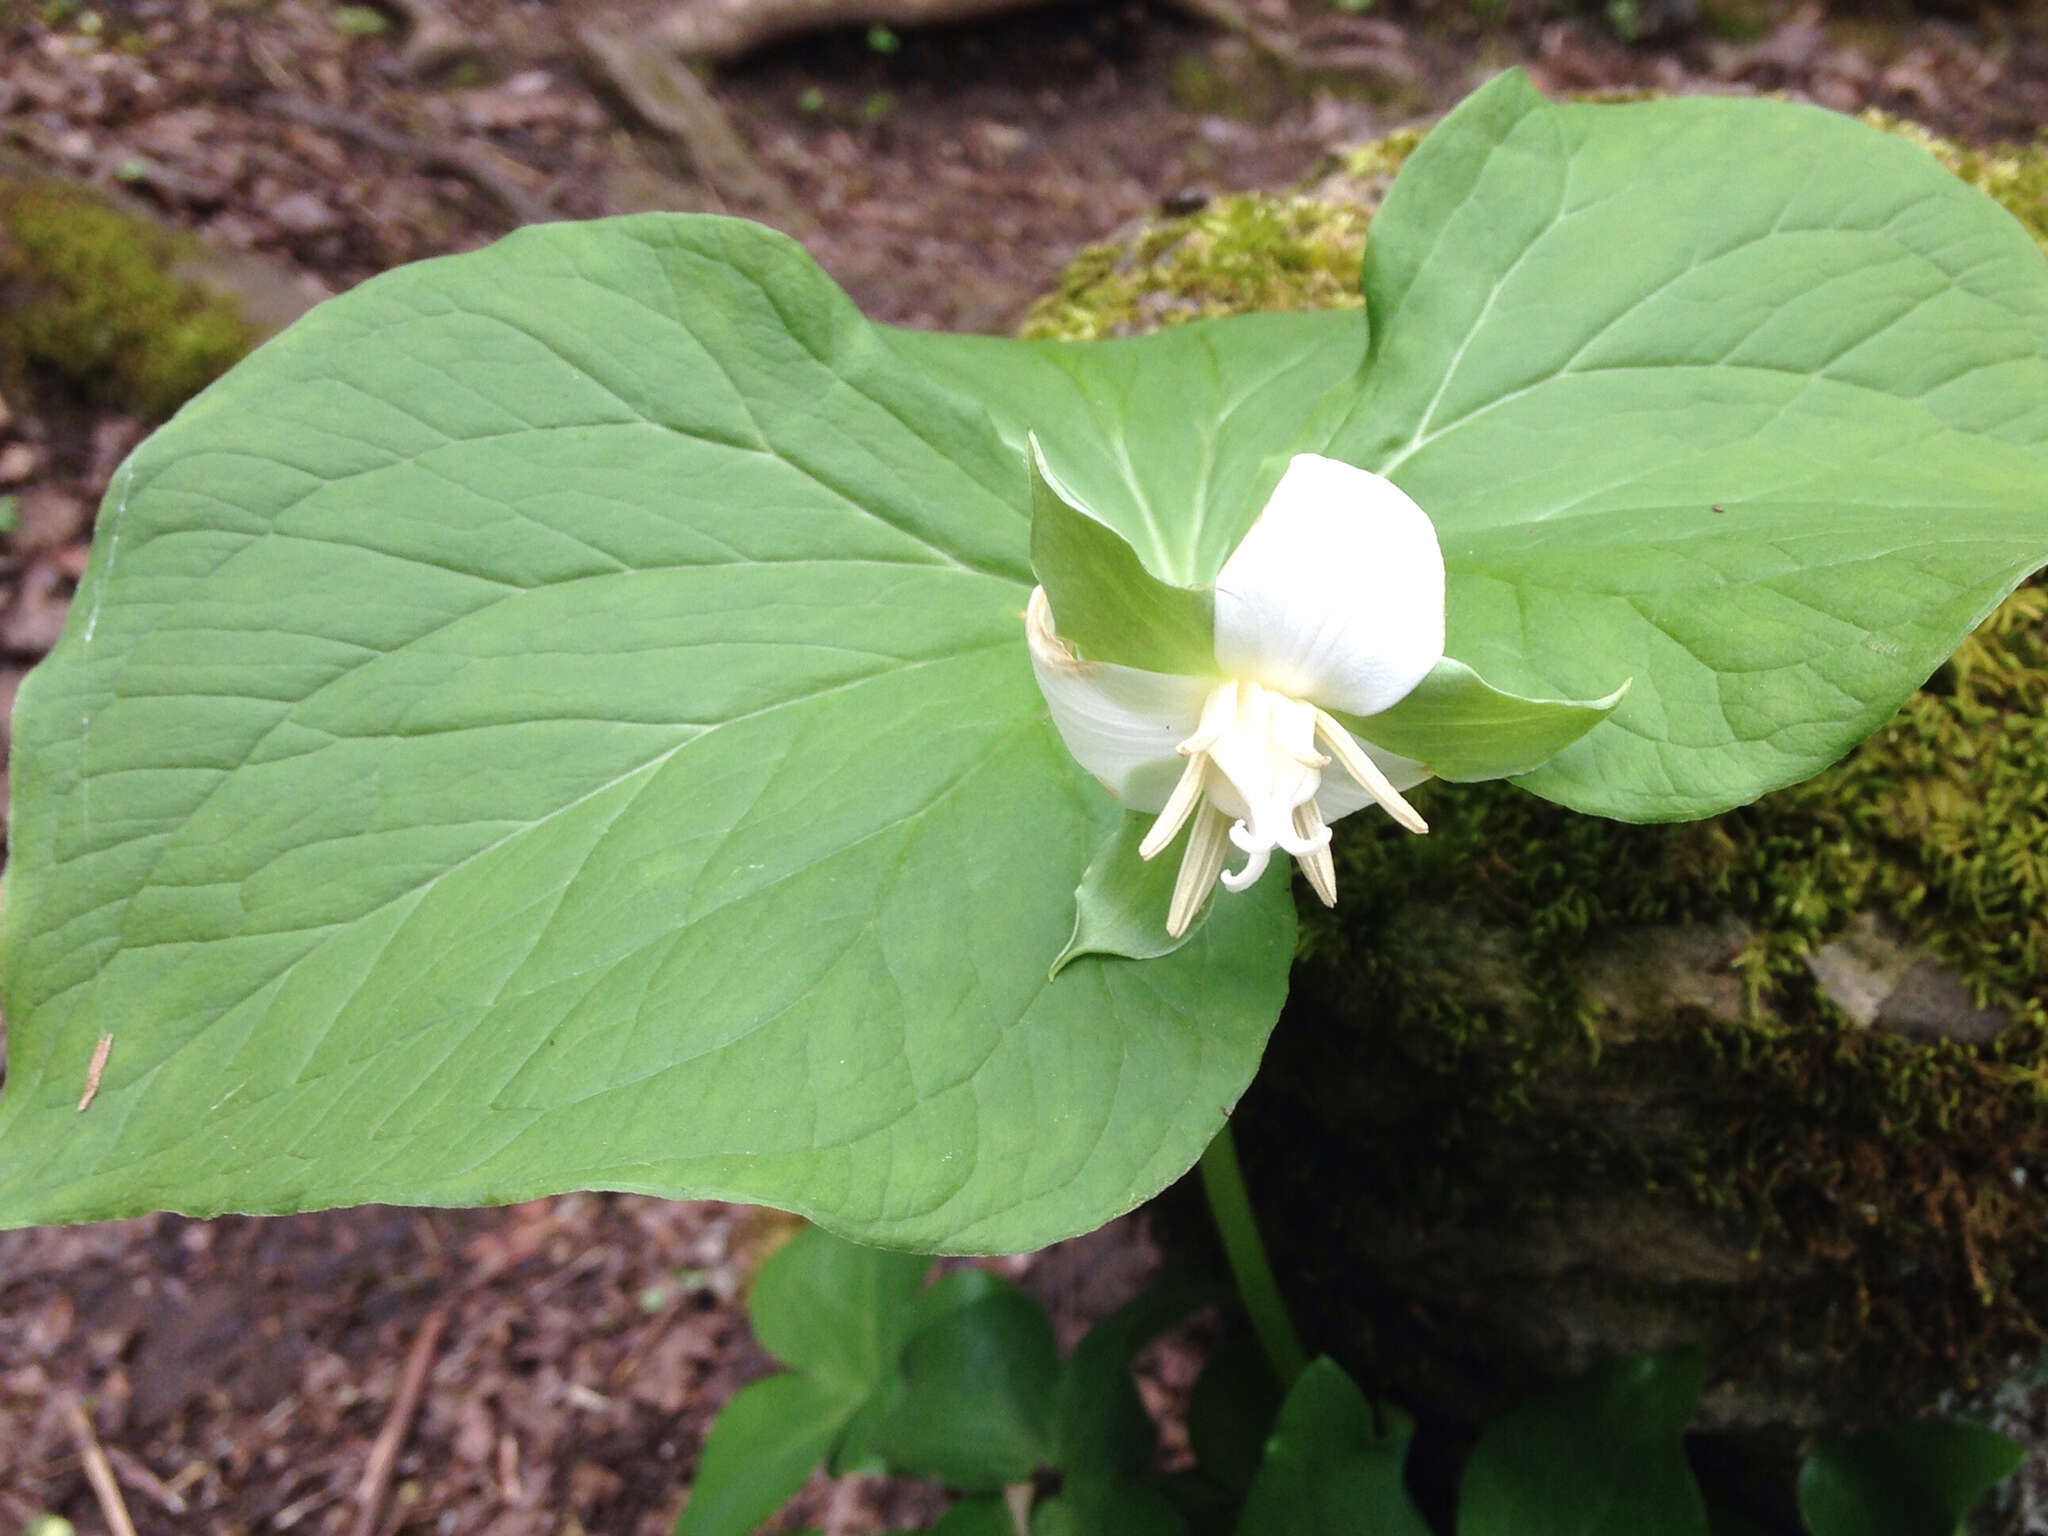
1122, 724
1340, 796
1337, 592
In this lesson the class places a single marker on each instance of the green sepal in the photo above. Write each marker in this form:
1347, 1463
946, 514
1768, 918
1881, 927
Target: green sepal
1120, 904
1104, 602
1464, 729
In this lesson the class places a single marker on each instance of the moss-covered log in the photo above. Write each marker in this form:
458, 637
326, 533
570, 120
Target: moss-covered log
1551, 1087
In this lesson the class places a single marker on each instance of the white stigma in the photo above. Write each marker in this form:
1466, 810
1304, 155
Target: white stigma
1253, 771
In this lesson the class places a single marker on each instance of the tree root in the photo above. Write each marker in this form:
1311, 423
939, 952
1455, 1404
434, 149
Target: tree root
645, 67
718, 30
667, 95
478, 164
434, 38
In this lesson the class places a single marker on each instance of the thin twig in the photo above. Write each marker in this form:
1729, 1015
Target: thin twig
376, 1480
139, 1477
93, 1070
473, 162
113, 1508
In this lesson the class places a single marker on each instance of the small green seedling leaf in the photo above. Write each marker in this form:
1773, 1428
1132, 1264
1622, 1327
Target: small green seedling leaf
1920, 1480
833, 1308
764, 1443
836, 1313
1095, 1508
1723, 1521
981, 1514
970, 1400
1335, 1465
1208, 1508
359, 21
1104, 602
1100, 1425
1465, 729
1232, 1411
950, 1293
1598, 1456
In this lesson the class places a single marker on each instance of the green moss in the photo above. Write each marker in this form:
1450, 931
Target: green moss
1238, 253
2015, 174
93, 296
1449, 1042
1454, 1049
1241, 252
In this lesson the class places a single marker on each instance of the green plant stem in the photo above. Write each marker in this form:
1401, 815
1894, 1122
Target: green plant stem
1231, 1206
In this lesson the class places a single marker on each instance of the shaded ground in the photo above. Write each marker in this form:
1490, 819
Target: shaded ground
238, 1373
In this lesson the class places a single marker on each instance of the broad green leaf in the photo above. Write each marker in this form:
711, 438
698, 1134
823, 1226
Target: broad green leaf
1106, 604
833, 1308
1465, 729
971, 1399
1174, 440
1600, 1455
1335, 1465
558, 717
762, 1446
1919, 1480
1120, 905
1742, 399
1100, 1425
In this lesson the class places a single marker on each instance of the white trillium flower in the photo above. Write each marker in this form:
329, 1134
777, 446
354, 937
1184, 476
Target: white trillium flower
1334, 600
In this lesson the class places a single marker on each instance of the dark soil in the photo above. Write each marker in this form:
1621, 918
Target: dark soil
237, 1372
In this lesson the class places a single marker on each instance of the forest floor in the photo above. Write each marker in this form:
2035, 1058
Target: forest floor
237, 1374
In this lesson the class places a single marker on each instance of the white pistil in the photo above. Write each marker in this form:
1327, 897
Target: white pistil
1252, 775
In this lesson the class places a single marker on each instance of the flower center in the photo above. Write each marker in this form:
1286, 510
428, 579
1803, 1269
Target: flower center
1254, 768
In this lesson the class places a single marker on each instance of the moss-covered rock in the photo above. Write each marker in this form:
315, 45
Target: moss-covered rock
1241, 252
1551, 1086
124, 310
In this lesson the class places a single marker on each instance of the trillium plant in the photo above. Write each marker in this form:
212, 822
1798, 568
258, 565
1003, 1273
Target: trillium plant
598, 712
1335, 596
